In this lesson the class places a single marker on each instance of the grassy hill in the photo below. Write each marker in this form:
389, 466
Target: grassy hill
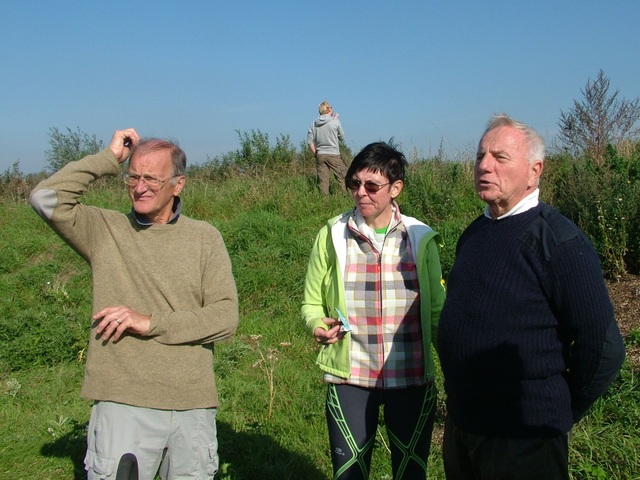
271, 421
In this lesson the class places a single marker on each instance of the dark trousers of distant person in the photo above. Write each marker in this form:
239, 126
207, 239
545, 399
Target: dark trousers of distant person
469, 456
330, 163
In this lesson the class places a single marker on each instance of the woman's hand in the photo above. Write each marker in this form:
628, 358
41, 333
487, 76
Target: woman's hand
331, 335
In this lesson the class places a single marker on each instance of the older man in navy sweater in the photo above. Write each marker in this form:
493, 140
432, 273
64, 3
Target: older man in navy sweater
527, 337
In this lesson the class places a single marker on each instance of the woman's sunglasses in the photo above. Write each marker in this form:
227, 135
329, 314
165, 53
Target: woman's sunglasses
369, 186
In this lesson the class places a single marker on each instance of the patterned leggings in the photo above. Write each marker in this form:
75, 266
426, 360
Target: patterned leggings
352, 418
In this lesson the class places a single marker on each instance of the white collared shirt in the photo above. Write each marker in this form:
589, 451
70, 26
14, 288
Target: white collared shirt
527, 203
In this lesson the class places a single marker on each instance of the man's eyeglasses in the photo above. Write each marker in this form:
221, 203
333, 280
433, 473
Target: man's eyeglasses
369, 186
151, 183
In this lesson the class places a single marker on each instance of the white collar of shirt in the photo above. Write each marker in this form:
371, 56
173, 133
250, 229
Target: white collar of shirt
527, 203
377, 239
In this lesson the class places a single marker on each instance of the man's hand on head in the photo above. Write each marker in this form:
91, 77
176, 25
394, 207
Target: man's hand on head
122, 142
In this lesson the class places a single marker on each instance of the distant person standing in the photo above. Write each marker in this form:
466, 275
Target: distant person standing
324, 137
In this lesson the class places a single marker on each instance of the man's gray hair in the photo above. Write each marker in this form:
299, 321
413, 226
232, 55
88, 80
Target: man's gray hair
178, 157
534, 140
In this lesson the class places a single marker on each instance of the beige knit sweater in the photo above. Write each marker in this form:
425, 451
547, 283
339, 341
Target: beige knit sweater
179, 273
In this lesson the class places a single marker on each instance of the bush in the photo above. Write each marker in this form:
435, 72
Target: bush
441, 194
73, 145
15, 185
603, 200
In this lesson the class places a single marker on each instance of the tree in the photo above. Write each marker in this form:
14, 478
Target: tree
598, 120
70, 146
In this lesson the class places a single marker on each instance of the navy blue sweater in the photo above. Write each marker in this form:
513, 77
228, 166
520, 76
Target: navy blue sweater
527, 337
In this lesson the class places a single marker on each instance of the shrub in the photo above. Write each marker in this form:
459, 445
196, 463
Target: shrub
441, 194
73, 145
15, 185
603, 200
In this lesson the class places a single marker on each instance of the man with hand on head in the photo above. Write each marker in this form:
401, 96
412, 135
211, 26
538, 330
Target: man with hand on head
163, 293
527, 337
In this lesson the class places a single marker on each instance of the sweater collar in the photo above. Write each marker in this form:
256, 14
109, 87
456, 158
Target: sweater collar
144, 221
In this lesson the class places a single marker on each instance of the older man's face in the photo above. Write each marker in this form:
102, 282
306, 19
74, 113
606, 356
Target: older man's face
154, 202
503, 174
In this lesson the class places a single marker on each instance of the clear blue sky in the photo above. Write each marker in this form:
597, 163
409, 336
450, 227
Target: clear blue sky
421, 71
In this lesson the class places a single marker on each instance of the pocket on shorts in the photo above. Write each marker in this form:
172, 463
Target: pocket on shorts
101, 466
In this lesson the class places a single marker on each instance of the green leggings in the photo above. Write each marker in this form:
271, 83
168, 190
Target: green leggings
352, 418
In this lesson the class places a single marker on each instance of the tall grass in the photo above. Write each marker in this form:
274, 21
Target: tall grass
271, 420
604, 200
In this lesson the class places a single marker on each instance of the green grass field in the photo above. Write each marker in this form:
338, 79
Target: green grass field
271, 420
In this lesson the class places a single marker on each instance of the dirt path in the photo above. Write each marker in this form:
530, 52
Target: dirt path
625, 296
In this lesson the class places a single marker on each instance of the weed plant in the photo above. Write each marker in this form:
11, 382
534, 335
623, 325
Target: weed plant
604, 201
441, 194
271, 423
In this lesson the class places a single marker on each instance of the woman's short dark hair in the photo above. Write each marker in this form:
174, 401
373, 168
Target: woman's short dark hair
379, 157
